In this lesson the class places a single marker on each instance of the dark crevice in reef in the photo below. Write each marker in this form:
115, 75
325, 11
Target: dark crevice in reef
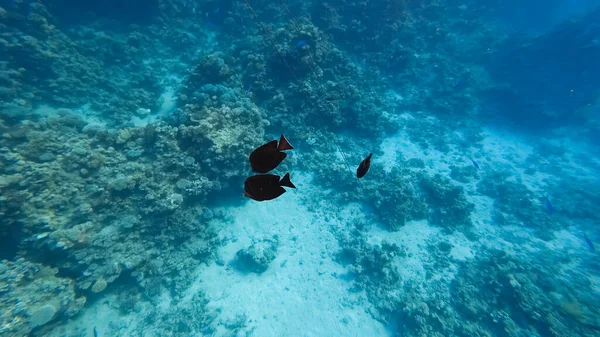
10, 237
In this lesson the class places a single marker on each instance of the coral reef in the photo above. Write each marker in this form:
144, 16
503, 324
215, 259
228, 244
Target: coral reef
82, 219
47, 62
395, 199
448, 205
120, 129
34, 295
508, 295
515, 204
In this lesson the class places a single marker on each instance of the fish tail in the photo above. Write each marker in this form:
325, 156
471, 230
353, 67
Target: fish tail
285, 181
370, 155
284, 144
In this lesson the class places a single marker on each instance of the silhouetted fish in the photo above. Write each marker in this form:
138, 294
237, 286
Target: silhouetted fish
364, 166
549, 207
266, 186
475, 164
268, 156
589, 243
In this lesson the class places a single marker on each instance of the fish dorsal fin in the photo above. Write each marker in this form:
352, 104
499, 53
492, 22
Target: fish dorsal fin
284, 144
285, 181
369, 156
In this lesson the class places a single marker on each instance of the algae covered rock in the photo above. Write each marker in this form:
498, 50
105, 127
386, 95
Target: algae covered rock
99, 286
258, 256
43, 315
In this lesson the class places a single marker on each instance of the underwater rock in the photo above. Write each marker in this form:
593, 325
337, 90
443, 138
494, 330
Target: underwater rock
124, 136
207, 213
257, 257
120, 183
448, 205
128, 222
394, 198
47, 157
99, 286
43, 315
32, 296
135, 153
372, 266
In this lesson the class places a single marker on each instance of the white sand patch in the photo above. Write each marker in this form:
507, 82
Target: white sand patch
509, 152
462, 249
504, 148
299, 294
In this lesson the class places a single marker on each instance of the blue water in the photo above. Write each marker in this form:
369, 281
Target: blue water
126, 130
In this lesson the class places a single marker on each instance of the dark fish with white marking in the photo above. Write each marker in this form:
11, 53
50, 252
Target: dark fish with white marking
266, 186
364, 166
270, 155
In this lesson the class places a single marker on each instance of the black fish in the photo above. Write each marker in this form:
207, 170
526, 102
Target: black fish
475, 164
266, 186
363, 168
589, 243
549, 207
268, 156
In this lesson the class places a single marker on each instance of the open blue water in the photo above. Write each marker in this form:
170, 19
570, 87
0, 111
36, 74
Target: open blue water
126, 133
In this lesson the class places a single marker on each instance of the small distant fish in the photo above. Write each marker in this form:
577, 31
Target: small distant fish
301, 43
549, 207
475, 163
249, 90
589, 243
95, 332
268, 156
364, 166
266, 186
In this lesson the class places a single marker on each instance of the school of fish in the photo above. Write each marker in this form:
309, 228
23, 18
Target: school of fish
266, 158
